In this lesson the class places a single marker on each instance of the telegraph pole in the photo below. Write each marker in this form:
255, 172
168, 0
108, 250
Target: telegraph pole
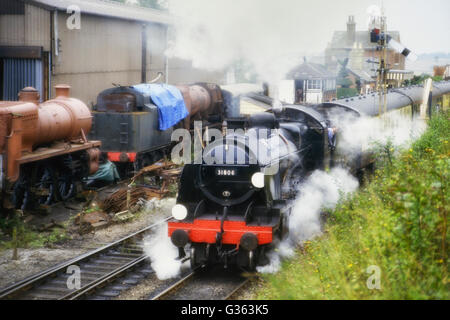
383, 70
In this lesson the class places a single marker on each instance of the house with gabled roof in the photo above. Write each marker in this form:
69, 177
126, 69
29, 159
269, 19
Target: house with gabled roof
356, 46
313, 83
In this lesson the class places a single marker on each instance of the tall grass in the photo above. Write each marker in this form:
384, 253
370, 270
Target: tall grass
396, 225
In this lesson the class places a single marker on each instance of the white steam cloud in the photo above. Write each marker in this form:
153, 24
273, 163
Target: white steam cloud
320, 191
163, 254
399, 129
268, 35
324, 190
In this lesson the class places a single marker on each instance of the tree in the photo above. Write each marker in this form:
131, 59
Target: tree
419, 80
343, 81
155, 4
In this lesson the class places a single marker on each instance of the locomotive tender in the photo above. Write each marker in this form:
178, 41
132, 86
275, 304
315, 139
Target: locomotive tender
232, 208
44, 153
126, 119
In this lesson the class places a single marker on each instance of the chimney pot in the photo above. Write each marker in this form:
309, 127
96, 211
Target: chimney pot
351, 30
62, 90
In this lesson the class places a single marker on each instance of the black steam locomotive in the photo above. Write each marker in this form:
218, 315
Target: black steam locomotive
238, 204
234, 205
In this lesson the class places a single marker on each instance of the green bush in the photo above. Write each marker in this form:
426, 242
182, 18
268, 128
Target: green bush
346, 92
397, 223
27, 237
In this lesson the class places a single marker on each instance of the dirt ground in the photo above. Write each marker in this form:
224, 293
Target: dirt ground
32, 261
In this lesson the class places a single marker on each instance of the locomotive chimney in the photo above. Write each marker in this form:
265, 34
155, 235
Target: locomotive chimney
62, 90
29, 94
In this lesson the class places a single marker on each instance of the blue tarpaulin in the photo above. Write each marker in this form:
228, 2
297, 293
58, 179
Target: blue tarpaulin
170, 103
106, 172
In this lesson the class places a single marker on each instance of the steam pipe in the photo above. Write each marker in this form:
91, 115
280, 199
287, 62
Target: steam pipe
144, 54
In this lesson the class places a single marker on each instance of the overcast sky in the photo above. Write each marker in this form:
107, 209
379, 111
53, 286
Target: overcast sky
424, 25
274, 34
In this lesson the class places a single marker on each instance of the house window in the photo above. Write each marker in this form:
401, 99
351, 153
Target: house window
314, 84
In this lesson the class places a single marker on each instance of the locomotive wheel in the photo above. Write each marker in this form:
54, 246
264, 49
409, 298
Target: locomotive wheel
251, 261
247, 259
21, 194
197, 255
44, 187
66, 187
193, 257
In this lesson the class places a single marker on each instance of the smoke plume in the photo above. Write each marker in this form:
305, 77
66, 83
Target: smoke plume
320, 191
268, 35
324, 190
163, 254
399, 129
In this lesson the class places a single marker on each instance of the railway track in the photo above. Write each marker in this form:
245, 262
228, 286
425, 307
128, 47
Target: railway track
98, 270
205, 284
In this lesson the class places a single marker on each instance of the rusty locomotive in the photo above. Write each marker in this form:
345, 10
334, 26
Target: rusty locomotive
44, 152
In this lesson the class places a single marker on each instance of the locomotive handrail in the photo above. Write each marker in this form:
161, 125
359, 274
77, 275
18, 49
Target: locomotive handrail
248, 212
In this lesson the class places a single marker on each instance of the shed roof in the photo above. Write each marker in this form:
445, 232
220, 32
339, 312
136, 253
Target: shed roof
362, 74
310, 70
107, 9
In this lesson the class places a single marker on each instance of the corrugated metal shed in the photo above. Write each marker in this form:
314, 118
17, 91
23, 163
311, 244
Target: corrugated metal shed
21, 73
37, 27
12, 7
32, 28
108, 9
106, 50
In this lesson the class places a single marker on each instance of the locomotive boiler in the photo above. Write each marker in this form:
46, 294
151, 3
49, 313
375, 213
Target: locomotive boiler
44, 152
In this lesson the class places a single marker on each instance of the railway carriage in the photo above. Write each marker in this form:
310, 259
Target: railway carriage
402, 104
